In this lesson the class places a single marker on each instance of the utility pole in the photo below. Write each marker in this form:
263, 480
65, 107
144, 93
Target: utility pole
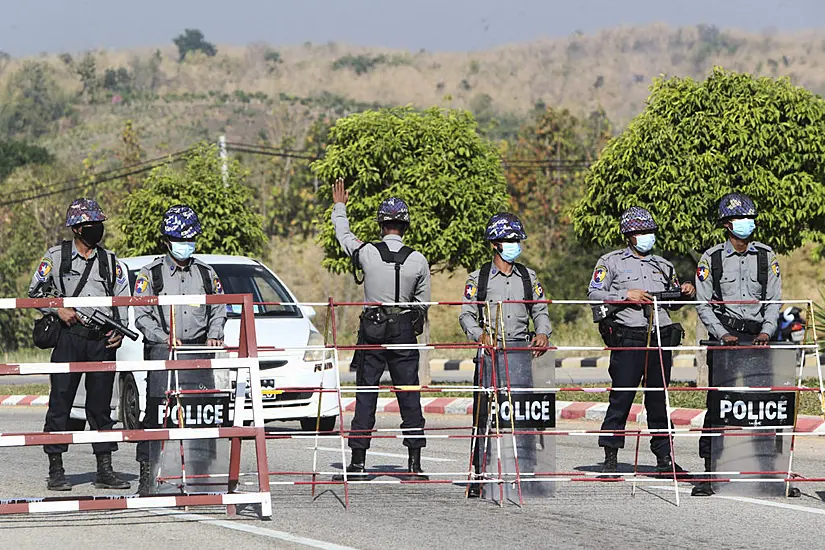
224, 160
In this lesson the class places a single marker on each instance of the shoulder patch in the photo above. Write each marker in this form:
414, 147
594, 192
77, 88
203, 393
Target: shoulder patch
44, 269
775, 267
538, 290
216, 284
470, 290
599, 275
141, 284
703, 270
120, 275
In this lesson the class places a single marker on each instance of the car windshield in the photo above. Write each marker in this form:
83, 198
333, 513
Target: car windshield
250, 279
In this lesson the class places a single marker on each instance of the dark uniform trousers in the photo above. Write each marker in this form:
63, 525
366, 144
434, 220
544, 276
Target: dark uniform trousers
627, 368
749, 378
403, 367
157, 383
72, 347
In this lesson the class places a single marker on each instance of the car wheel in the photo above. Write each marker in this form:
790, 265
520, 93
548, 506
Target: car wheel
327, 424
130, 403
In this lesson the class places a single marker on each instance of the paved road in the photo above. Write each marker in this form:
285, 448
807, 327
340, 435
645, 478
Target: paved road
581, 515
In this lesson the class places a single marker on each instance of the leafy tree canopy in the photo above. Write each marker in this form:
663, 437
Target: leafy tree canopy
229, 225
435, 161
697, 141
15, 153
192, 41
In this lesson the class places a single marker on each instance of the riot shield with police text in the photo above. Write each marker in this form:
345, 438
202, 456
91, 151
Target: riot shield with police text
747, 444
515, 451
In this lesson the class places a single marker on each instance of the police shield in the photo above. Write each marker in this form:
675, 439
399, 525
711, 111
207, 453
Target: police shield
518, 459
748, 442
202, 463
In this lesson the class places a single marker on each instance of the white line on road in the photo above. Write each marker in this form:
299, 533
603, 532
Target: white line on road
254, 530
795, 507
390, 455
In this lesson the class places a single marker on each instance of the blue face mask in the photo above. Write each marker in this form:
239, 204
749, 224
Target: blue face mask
509, 252
182, 251
743, 228
644, 243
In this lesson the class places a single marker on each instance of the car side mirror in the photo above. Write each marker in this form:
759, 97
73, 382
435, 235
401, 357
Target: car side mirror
309, 312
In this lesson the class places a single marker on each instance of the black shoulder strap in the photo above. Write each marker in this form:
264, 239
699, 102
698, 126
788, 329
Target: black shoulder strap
356, 264
83, 278
207, 278
716, 273
398, 258
481, 295
65, 263
157, 287
528, 286
762, 272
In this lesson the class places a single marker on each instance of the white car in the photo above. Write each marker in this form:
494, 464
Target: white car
275, 326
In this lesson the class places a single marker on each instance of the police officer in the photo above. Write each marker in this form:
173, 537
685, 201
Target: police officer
736, 264
499, 280
176, 273
81, 267
632, 274
392, 273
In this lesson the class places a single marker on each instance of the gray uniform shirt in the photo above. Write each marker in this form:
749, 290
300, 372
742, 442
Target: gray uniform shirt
379, 276
48, 273
739, 282
621, 270
191, 322
515, 316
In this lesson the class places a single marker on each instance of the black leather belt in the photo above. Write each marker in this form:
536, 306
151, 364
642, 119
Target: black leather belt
740, 325
86, 332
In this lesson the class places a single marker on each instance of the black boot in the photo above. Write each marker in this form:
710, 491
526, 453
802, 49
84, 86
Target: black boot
664, 466
611, 461
703, 488
106, 478
356, 471
414, 465
57, 476
146, 485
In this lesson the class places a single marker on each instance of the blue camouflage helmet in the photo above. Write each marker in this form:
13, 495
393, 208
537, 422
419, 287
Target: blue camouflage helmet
636, 220
180, 222
504, 227
84, 211
736, 205
393, 209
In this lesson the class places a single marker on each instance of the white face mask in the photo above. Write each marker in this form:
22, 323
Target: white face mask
182, 250
510, 251
644, 243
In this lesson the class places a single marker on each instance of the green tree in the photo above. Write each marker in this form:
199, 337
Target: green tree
87, 72
229, 225
697, 141
192, 41
435, 161
14, 153
32, 101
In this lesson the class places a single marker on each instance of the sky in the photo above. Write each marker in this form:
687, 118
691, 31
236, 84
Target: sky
29, 27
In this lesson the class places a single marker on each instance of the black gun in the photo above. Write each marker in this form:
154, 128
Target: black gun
89, 316
667, 295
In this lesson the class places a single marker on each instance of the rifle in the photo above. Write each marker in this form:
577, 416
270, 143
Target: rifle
89, 316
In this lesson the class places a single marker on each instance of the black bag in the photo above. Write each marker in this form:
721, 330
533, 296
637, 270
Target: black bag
378, 325
46, 331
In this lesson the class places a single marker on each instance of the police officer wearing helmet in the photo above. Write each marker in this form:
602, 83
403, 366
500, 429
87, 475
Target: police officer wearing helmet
393, 272
81, 267
502, 279
633, 274
176, 273
740, 269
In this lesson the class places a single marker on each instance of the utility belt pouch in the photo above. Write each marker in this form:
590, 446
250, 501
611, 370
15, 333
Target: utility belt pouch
46, 331
610, 332
378, 326
418, 318
672, 335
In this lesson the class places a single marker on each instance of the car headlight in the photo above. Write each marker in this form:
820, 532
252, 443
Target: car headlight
315, 339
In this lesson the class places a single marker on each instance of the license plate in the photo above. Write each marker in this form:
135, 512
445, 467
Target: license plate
268, 391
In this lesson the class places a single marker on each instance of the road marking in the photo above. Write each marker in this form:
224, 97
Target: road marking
795, 507
255, 530
390, 455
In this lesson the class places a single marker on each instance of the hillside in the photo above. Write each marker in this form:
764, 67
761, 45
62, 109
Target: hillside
265, 92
